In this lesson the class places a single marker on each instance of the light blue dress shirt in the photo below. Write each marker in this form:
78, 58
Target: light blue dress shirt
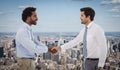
26, 45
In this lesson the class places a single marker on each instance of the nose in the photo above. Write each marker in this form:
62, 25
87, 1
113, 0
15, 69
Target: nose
36, 19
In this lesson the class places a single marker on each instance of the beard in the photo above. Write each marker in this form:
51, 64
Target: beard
33, 22
82, 22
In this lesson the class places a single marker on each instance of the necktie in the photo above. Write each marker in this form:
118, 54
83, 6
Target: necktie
85, 43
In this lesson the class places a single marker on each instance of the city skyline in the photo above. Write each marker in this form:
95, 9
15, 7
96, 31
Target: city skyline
59, 15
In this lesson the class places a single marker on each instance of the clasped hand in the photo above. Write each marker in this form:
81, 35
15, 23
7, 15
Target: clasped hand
54, 49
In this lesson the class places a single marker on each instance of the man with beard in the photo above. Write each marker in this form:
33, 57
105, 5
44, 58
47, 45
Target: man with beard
94, 41
26, 46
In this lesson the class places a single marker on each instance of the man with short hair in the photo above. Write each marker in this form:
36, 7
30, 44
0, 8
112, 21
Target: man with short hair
94, 41
26, 46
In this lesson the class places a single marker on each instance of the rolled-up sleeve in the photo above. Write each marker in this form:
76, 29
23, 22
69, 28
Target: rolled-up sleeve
40, 48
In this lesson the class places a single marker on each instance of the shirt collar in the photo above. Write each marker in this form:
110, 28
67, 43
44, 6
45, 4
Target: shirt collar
90, 24
27, 26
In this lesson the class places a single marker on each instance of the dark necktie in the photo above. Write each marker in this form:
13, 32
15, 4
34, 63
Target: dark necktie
85, 43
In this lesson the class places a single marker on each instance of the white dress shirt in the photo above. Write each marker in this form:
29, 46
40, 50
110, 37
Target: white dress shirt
26, 45
96, 43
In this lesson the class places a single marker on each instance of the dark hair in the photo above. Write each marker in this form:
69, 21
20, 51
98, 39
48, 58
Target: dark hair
88, 12
27, 12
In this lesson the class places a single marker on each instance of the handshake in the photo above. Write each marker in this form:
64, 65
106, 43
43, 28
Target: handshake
54, 49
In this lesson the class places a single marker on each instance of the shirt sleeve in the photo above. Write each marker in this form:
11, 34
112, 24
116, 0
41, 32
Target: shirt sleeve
40, 46
101, 39
72, 43
30, 45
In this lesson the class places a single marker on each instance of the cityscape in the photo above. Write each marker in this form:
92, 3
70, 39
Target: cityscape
70, 59
58, 23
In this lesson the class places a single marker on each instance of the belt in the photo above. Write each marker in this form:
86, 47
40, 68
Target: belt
92, 59
27, 58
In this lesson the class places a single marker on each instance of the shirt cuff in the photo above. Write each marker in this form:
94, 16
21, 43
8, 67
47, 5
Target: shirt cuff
100, 64
39, 50
62, 49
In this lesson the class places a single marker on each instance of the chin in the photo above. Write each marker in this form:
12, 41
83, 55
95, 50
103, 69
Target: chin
82, 23
34, 23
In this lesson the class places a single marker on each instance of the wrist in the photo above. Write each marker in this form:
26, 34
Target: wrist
59, 48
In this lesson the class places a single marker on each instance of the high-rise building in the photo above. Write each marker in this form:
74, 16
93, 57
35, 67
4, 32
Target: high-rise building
1, 52
47, 56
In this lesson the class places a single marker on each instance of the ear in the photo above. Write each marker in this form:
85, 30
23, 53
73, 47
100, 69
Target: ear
88, 17
28, 18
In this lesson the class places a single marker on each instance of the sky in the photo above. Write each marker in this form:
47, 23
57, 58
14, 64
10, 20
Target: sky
59, 15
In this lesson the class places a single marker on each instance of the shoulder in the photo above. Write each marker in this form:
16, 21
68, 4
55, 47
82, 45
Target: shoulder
21, 31
98, 28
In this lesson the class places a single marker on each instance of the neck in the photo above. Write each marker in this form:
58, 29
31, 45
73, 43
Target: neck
88, 23
28, 23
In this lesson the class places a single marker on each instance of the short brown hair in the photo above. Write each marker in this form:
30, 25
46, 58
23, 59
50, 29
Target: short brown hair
88, 12
27, 12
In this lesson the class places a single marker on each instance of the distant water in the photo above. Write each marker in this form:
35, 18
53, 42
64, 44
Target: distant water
114, 34
6, 33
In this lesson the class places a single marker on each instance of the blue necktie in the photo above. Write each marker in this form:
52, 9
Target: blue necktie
85, 43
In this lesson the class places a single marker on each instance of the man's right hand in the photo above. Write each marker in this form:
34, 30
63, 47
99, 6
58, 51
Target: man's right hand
52, 51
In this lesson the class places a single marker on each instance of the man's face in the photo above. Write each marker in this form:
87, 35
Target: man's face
33, 18
83, 18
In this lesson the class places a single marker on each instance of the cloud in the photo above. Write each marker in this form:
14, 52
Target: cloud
1, 13
81, 0
115, 9
3, 25
22, 7
116, 16
110, 2
105, 3
115, 1
7, 12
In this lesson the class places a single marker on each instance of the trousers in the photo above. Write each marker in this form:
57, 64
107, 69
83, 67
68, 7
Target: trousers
26, 64
90, 64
